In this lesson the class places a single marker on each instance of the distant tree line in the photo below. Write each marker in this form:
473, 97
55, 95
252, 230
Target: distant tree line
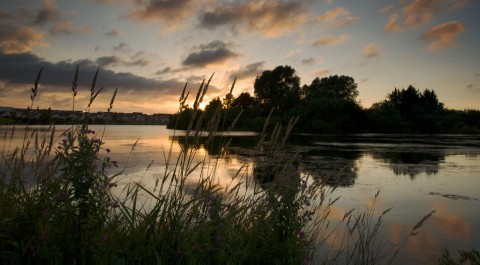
330, 105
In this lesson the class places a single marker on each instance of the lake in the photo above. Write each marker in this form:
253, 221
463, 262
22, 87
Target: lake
415, 174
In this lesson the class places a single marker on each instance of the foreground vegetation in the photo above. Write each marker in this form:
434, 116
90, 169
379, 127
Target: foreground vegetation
330, 105
60, 202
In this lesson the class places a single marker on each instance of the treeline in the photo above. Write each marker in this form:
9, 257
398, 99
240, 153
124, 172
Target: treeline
330, 105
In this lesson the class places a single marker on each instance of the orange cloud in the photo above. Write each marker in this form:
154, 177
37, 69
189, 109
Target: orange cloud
19, 39
169, 11
443, 35
330, 40
392, 24
418, 12
322, 72
267, 17
339, 17
372, 50
67, 27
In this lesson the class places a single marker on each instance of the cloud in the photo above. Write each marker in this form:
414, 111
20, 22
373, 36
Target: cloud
420, 11
387, 9
457, 4
17, 35
330, 40
21, 69
249, 71
115, 61
372, 50
268, 18
122, 46
322, 72
443, 35
214, 52
67, 27
19, 39
339, 17
113, 33
308, 61
33, 15
167, 11
165, 70
392, 24
48, 12
414, 13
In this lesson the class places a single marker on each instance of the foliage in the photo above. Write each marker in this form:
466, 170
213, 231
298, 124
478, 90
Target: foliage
329, 105
471, 257
408, 110
337, 87
278, 89
55, 199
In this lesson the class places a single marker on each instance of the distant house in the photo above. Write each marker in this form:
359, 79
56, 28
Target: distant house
68, 116
7, 112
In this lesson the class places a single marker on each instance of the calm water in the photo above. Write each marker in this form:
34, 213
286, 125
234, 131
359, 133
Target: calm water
414, 173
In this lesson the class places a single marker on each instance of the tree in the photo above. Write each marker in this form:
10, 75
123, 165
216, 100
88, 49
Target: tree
429, 100
338, 87
330, 105
46, 116
212, 107
244, 101
408, 110
278, 89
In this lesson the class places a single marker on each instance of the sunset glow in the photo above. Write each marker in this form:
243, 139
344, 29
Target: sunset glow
150, 49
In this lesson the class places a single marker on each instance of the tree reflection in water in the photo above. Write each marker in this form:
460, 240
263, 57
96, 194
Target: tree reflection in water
411, 163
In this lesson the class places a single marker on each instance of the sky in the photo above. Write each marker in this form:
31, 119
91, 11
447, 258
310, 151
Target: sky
150, 49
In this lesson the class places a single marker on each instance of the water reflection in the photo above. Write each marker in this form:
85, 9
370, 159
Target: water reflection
326, 156
359, 164
411, 163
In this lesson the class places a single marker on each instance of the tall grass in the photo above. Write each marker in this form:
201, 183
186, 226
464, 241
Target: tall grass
57, 202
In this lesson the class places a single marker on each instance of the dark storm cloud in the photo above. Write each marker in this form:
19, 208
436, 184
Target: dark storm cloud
211, 53
269, 18
249, 71
21, 69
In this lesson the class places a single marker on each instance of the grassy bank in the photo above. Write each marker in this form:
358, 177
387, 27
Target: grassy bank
60, 203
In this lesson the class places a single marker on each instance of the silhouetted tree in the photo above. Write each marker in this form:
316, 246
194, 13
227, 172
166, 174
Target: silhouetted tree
338, 87
407, 110
244, 101
278, 89
212, 107
330, 105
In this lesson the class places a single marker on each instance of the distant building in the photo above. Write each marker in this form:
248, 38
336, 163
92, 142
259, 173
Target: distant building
60, 116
